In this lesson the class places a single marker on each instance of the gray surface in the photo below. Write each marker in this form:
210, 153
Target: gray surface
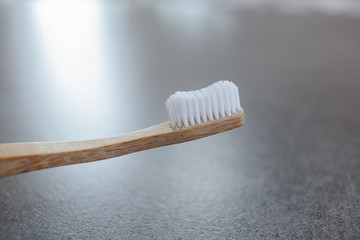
106, 68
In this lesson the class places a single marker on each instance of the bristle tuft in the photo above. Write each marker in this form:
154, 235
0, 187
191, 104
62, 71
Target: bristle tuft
218, 100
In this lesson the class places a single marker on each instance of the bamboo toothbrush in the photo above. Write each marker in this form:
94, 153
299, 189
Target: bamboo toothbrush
193, 115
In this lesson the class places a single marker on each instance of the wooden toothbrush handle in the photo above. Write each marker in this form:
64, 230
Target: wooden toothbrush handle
24, 157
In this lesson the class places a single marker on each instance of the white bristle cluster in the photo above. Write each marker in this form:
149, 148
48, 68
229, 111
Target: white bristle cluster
216, 101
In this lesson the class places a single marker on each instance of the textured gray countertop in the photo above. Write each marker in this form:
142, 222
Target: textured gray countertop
82, 70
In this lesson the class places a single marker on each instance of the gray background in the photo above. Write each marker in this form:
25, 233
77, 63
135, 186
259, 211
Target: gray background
82, 70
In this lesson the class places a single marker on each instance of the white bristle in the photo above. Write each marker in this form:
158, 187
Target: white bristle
218, 100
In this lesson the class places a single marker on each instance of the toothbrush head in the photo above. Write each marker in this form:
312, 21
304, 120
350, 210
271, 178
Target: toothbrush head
190, 108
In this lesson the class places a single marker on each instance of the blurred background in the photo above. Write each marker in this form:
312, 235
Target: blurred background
75, 70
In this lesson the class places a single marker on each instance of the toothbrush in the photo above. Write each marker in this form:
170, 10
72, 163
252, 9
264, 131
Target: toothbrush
192, 115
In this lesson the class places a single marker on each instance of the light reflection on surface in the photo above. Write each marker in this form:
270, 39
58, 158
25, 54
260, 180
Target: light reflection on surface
189, 17
192, 17
80, 71
70, 35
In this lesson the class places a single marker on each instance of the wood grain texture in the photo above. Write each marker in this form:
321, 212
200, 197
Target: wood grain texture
24, 157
